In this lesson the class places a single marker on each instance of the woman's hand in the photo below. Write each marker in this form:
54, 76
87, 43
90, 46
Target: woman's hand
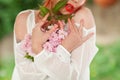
39, 37
75, 37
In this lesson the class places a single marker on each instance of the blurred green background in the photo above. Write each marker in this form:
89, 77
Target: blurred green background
106, 64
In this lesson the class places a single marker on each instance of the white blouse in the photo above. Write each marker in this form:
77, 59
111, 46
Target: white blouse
61, 65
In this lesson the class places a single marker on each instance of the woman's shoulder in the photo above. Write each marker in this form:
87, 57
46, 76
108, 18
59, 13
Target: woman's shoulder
23, 13
22, 16
20, 24
84, 10
86, 14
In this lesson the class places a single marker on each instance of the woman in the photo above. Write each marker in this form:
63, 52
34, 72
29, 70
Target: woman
73, 56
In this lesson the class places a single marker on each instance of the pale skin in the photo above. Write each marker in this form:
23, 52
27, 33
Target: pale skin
72, 41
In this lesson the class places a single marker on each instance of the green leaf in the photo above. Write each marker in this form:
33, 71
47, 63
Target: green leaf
64, 17
59, 5
29, 57
43, 10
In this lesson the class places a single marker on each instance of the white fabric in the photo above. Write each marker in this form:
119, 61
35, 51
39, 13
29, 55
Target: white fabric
61, 65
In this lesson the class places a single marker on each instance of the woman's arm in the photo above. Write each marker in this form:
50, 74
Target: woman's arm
89, 25
20, 27
83, 55
26, 69
32, 70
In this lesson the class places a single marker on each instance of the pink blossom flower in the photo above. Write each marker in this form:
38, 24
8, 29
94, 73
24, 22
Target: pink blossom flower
48, 46
54, 40
62, 34
26, 44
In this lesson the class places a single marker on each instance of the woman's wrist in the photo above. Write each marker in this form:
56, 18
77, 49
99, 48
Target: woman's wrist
67, 47
37, 49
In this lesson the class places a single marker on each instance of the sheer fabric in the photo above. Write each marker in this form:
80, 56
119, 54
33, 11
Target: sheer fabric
61, 65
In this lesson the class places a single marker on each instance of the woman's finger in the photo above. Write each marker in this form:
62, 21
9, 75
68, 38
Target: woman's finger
45, 18
53, 29
81, 26
74, 26
61, 24
37, 26
43, 21
70, 24
88, 36
40, 24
